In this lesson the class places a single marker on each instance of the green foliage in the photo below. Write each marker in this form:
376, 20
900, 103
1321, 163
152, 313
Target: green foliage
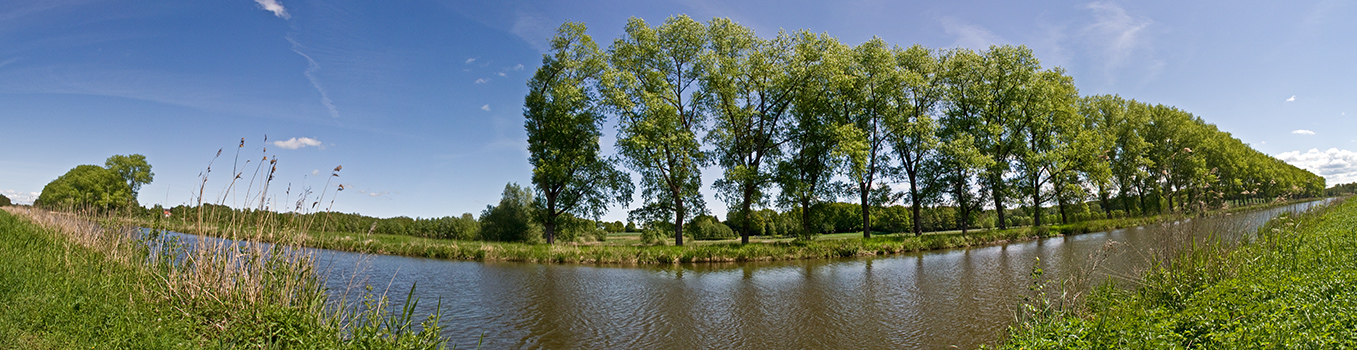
513, 220
564, 123
87, 187
132, 168
4, 201
652, 87
706, 227
1288, 288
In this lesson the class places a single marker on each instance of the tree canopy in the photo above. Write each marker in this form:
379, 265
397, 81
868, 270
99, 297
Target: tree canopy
133, 168
87, 187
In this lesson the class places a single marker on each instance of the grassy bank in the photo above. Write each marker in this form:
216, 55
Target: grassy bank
71, 283
627, 251
1291, 287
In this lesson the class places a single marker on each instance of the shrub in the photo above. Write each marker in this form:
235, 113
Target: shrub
511, 220
705, 227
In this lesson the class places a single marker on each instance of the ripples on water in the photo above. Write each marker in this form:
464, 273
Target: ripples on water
962, 297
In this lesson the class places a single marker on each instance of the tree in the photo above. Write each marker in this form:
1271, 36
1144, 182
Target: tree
961, 160
511, 220
87, 187
869, 85
804, 175
912, 129
653, 89
1050, 142
563, 123
132, 168
750, 85
987, 91
4, 201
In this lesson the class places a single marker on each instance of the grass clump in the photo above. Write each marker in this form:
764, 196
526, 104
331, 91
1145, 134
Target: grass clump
1290, 286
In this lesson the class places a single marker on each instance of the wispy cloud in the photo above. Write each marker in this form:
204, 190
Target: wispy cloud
518, 67
533, 28
275, 7
485, 108
310, 73
469, 60
1120, 34
1291, 99
299, 142
969, 35
502, 74
482, 81
1303, 132
1335, 165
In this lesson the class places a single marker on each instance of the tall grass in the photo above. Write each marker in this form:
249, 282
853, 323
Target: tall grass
240, 291
1289, 285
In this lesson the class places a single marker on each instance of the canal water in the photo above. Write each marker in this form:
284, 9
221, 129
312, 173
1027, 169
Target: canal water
935, 299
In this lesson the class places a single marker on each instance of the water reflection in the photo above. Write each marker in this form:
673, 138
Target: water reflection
961, 297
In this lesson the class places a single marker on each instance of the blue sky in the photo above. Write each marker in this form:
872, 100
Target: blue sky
421, 101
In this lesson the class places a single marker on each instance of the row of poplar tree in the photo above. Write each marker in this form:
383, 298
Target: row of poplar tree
801, 118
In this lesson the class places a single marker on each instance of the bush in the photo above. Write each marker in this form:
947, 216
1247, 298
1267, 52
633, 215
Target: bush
511, 220
4, 201
705, 227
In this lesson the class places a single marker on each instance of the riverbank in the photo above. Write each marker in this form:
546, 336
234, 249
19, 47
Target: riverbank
70, 283
1290, 287
765, 249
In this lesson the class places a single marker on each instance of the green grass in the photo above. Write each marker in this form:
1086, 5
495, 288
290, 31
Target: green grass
67, 284
1293, 287
54, 295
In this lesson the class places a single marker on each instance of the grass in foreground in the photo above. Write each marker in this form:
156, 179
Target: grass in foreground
67, 282
1291, 287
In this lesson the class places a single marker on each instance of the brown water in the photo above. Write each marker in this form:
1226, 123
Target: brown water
936, 299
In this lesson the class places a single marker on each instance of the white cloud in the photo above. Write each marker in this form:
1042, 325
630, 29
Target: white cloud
485, 108
18, 197
469, 60
502, 74
482, 81
518, 67
1303, 132
968, 35
275, 7
315, 172
1335, 165
1292, 99
295, 143
373, 194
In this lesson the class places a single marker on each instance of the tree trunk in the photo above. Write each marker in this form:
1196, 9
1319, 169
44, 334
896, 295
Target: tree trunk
864, 189
997, 191
805, 217
914, 204
1036, 204
678, 219
962, 206
550, 226
1064, 217
748, 197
